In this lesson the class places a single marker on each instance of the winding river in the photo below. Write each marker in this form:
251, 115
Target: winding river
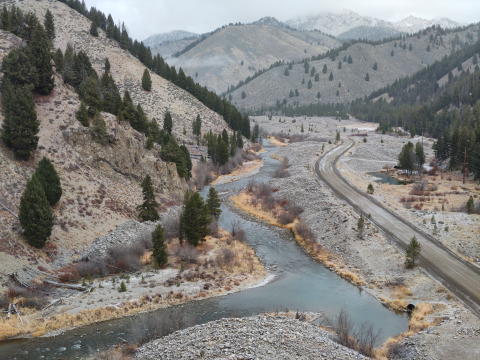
299, 283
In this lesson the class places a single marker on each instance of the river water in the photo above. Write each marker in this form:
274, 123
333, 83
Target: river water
299, 283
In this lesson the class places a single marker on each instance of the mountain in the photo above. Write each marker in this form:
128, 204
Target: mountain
174, 35
351, 25
169, 48
349, 81
233, 53
269, 20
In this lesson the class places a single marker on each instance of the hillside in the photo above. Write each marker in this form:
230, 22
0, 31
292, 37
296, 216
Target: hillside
174, 35
100, 182
167, 49
351, 25
217, 61
274, 85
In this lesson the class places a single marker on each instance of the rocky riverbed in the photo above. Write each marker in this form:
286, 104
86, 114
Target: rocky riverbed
256, 337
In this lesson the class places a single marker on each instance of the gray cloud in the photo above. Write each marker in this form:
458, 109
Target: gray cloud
148, 17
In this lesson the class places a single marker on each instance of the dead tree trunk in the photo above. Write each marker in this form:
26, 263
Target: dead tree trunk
68, 286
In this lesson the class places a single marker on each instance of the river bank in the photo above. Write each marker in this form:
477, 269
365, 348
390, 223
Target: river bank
372, 257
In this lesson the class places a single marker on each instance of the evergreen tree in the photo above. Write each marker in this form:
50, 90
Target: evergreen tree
168, 123
391, 54
223, 153
412, 253
197, 126
146, 81
301, 129
26, 26
337, 137
239, 140
233, 144
309, 84
58, 59
18, 69
367, 77
150, 142
350, 60
49, 25
370, 189
35, 214
40, 52
91, 96
406, 158
148, 210
413, 131
5, 19
337, 93
318, 95
94, 29
82, 115
213, 203
159, 246
188, 161
99, 129
324, 70
244, 95
419, 153
194, 220
428, 47
108, 90
410, 47
107, 65
375, 66
225, 136
317, 77
20, 126
286, 72
68, 72
49, 179
470, 205
330, 78
339, 65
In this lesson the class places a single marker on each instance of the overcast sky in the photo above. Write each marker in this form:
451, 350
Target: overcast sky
147, 17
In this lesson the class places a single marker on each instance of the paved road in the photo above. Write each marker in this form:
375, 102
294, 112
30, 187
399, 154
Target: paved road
454, 273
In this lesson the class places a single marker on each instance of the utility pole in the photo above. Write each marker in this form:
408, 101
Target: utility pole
464, 163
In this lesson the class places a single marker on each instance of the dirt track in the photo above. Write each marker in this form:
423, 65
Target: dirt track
454, 273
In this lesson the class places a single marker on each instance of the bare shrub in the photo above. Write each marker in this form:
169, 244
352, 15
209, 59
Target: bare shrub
282, 171
256, 147
396, 350
240, 235
91, 267
294, 208
126, 258
27, 297
145, 239
304, 231
251, 185
190, 275
188, 253
68, 274
263, 189
171, 225
286, 217
268, 202
213, 227
225, 257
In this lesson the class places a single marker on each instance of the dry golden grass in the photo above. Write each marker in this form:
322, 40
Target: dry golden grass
415, 325
277, 142
239, 170
401, 292
242, 201
244, 261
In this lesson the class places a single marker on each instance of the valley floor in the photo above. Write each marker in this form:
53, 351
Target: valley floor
442, 327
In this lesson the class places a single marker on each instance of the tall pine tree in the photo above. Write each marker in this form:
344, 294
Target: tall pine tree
146, 81
49, 179
168, 123
49, 25
35, 214
194, 220
82, 115
148, 210
40, 52
159, 246
213, 203
20, 126
18, 69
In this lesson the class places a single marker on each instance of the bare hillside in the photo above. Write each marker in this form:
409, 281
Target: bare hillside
166, 50
100, 182
218, 59
73, 28
350, 80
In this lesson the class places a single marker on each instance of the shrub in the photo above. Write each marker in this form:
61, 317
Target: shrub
286, 217
187, 253
294, 208
213, 227
304, 231
122, 287
91, 268
240, 235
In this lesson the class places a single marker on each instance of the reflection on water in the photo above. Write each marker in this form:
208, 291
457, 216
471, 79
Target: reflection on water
300, 284
385, 178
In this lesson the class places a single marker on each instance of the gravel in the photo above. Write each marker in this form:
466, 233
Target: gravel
256, 337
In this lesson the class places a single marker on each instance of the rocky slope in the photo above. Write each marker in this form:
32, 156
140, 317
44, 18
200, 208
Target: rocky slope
274, 85
218, 60
256, 337
100, 182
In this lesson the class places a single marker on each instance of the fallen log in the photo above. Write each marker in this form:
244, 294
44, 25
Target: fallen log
10, 211
17, 280
53, 303
15, 308
68, 286
9, 311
